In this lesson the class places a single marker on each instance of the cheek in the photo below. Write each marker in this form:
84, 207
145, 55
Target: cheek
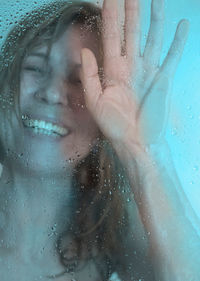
77, 102
86, 125
84, 119
83, 138
28, 86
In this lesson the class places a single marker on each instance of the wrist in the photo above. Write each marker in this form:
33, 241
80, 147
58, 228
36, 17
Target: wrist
144, 156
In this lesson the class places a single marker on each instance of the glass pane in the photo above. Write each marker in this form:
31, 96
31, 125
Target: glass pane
99, 140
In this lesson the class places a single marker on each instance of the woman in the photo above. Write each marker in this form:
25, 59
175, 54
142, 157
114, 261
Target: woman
76, 142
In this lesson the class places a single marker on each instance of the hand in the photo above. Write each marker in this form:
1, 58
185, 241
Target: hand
131, 102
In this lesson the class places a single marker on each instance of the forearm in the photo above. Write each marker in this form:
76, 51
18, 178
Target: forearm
165, 212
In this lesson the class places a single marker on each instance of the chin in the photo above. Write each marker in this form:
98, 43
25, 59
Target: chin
44, 162
45, 156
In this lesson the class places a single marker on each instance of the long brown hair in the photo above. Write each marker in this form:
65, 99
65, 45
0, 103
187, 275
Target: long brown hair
100, 220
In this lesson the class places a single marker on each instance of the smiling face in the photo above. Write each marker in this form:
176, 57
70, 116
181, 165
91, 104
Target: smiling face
58, 129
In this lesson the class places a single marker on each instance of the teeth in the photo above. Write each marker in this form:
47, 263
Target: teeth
44, 132
43, 127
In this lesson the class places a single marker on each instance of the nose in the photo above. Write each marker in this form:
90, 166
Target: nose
55, 91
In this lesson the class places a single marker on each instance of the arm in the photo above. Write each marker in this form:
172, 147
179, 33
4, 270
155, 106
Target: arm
130, 108
169, 220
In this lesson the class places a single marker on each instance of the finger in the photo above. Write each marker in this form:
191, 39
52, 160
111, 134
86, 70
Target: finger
154, 42
90, 79
155, 107
111, 30
111, 40
175, 52
132, 29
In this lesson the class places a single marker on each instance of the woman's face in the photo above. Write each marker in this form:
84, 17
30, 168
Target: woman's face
58, 129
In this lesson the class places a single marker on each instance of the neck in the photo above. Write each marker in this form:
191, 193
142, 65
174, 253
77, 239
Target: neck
35, 210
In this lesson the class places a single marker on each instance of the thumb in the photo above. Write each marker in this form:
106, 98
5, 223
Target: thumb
90, 79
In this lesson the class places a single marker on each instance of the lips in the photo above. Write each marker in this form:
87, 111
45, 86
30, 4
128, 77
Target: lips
44, 127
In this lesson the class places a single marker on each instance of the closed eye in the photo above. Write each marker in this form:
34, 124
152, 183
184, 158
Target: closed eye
34, 69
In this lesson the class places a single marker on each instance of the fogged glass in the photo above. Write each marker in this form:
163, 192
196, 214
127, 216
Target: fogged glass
82, 196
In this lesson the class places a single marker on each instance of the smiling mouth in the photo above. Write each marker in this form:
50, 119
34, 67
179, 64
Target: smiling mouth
43, 127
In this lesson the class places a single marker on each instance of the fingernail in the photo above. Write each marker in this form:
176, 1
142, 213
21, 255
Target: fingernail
184, 26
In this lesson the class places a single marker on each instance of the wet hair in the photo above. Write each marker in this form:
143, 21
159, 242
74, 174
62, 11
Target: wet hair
100, 221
